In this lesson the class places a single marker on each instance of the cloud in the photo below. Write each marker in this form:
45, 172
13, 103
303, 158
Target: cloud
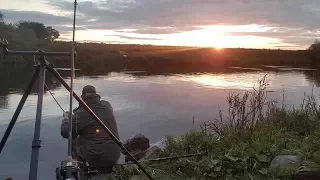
134, 38
67, 28
164, 29
179, 13
53, 20
286, 46
107, 42
298, 36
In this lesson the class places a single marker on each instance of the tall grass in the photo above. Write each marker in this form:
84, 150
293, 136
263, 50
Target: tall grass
245, 111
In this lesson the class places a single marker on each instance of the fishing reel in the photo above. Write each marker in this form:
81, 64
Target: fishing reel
61, 172
76, 172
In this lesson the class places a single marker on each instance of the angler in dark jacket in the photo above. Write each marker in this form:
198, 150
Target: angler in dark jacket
93, 144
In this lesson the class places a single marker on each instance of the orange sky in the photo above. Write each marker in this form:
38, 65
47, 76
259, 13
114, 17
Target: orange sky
229, 23
207, 36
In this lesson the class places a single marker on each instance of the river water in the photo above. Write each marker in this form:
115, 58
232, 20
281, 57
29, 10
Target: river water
154, 105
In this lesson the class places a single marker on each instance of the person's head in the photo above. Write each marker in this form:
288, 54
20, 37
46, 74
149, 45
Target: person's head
88, 91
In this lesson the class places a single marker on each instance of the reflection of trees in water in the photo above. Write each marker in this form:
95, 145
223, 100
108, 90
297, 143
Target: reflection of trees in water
15, 79
139, 74
313, 76
12, 78
3, 102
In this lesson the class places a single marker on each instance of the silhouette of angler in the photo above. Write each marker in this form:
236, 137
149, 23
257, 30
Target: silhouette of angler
91, 143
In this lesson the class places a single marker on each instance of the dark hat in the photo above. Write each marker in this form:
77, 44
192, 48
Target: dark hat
89, 89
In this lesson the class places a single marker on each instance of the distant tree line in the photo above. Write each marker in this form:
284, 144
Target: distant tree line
313, 54
27, 34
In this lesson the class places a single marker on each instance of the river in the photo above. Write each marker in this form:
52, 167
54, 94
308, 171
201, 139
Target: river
154, 105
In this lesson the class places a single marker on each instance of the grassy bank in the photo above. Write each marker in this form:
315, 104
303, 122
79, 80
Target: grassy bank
242, 141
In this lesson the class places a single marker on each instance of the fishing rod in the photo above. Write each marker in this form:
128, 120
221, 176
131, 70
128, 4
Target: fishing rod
169, 158
70, 163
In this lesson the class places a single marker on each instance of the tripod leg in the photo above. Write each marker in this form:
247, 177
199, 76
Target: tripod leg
36, 143
98, 120
19, 108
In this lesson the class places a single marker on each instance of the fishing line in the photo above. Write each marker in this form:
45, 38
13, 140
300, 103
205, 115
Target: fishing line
54, 98
34, 60
168, 158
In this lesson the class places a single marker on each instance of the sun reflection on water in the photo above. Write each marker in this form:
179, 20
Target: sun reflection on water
219, 81
245, 81
222, 82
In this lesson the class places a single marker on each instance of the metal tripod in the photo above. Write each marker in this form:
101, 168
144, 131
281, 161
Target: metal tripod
40, 70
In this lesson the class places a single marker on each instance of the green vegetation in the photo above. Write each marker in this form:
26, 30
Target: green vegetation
242, 142
27, 34
313, 54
